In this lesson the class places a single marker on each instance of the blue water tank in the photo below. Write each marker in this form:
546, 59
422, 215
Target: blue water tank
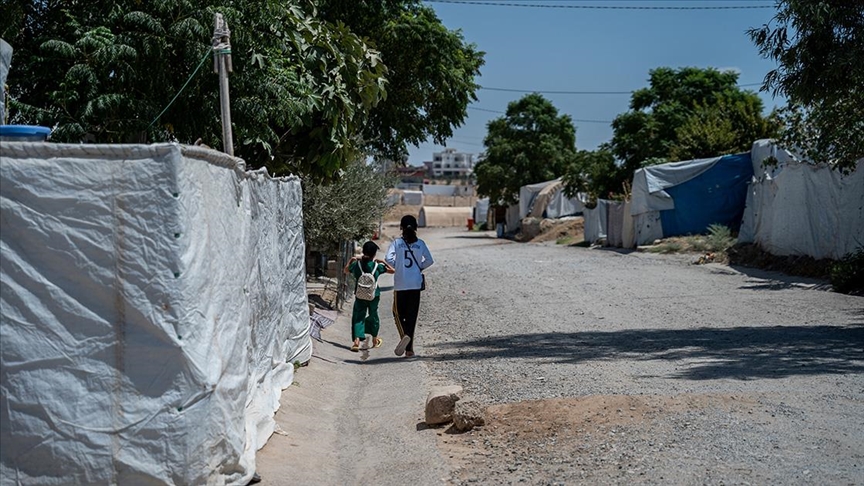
23, 133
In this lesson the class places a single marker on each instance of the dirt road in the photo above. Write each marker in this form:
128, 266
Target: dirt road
599, 368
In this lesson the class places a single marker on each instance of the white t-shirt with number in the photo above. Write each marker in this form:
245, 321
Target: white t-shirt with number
408, 276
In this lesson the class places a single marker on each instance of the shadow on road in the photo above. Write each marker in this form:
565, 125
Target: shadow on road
743, 353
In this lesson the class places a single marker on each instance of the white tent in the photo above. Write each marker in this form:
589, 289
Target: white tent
560, 205
528, 194
443, 217
153, 304
799, 208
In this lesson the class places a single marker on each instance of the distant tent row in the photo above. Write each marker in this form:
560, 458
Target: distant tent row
793, 208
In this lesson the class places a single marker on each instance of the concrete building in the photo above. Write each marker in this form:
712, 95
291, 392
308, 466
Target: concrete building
452, 164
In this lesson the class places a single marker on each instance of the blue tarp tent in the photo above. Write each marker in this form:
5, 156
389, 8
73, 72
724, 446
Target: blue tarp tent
684, 198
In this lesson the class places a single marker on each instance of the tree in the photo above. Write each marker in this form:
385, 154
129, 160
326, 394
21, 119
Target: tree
531, 143
344, 209
676, 117
595, 173
431, 72
819, 45
102, 70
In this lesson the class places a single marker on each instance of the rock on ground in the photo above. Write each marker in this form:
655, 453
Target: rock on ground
440, 404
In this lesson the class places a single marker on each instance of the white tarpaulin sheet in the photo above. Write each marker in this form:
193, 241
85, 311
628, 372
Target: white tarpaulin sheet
528, 193
560, 205
481, 210
412, 198
649, 183
797, 208
153, 301
439, 190
5, 62
596, 219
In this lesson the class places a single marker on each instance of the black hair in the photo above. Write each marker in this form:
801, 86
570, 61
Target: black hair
409, 228
369, 250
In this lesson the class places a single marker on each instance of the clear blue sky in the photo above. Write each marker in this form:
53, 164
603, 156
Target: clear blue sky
595, 50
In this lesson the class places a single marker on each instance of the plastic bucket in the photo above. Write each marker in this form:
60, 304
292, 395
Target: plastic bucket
470, 224
23, 133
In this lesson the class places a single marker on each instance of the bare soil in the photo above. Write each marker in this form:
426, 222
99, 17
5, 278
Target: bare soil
567, 231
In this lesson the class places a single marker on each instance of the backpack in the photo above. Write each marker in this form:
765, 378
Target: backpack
366, 283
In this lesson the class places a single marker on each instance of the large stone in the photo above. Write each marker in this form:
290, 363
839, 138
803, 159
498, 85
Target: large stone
468, 415
440, 404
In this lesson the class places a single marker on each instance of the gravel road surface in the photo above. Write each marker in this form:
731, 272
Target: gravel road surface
598, 367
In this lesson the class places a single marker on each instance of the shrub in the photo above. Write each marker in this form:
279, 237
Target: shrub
720, 237
847, 274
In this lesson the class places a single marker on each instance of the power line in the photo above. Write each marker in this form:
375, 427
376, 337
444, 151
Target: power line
514, 90
504, 113
603, 7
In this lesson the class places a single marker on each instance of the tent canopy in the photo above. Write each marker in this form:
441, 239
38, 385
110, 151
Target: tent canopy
438, 216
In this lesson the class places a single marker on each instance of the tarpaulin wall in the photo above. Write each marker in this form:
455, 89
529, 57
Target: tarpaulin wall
596, 221
715, 196
686, 197
153, 302
798, 208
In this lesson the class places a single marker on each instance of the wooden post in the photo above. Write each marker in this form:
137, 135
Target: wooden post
222, 66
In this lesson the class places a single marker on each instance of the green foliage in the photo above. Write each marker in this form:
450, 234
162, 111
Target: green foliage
100, 71
847, 274
819, 45
531, 143
347, 208
594, 173
687, 113
719, 238
432, 72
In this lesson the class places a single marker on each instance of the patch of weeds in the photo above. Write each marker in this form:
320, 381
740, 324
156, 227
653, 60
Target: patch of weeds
666, 247
564, 240
720, 238
847, 274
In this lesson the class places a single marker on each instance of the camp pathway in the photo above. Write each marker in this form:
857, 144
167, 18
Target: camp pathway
357, 418
607, 365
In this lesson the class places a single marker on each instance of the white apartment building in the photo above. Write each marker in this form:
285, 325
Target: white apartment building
452, 163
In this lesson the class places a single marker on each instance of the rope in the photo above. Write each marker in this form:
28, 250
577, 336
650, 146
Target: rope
206, 55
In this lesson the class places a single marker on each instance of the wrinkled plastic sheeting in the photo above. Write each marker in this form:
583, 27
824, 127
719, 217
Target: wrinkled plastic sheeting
560, 206
798, 208
527, 195
650, 183
596, 221
153, 302
481, 210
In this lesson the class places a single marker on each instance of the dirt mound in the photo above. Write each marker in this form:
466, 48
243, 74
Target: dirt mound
566, 231
611, 439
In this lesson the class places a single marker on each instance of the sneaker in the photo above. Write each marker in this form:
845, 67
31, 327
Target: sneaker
400, 348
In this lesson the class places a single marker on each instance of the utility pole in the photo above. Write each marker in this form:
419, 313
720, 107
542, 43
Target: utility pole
222, 66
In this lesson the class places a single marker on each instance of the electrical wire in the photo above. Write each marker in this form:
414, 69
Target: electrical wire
504, 113
514, 90
206, 55
603, 7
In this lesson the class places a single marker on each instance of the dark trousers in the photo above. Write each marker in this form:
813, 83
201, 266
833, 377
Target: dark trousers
406, 306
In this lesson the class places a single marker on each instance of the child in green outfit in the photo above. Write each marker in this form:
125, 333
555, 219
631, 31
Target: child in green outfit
361, 324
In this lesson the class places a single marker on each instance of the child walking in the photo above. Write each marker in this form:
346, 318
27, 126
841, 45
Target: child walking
409, 255
364, 318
